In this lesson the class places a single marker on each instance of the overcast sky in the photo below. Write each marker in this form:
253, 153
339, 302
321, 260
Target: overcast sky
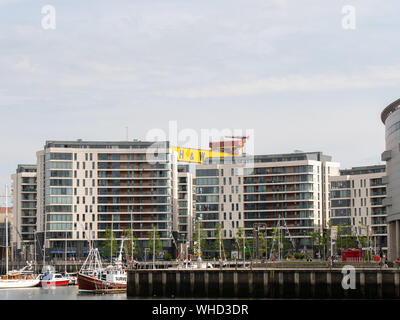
286, 69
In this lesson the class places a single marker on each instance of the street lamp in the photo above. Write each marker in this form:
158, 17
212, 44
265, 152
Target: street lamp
145, 256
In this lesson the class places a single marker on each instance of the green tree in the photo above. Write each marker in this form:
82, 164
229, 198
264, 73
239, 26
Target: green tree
154, 240
204, 244
110, 245
218, 245
321, 239
130, 244
238, 238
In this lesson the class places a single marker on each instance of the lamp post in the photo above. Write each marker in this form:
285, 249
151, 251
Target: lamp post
199, 249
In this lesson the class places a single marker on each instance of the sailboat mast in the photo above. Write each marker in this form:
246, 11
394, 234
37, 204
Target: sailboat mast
6, 226
65, 252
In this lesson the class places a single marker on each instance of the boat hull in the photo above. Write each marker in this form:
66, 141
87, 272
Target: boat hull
88, 283
10, 284
62, 283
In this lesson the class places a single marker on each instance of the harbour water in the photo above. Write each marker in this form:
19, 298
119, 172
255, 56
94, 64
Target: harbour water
53, 293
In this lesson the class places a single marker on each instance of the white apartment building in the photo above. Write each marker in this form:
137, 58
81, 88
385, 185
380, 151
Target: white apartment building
186, 201
24, 209
356, 200
289, 189
85, 188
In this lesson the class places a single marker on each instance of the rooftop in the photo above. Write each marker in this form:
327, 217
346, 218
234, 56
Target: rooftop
389, 110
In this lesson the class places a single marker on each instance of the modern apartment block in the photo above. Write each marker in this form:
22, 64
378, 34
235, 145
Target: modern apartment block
290, 190
3, 231
86, 187
357, 200
185, 207
24, 207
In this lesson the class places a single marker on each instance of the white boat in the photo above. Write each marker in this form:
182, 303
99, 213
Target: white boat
50, 277
16, 279
23, 278
72, 277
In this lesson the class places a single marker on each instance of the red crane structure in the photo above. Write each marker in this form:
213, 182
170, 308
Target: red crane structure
232, 147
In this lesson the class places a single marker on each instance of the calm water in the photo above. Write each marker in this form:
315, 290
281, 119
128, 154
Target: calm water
60, 293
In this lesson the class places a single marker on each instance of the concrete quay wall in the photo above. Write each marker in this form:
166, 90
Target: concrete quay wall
370, 283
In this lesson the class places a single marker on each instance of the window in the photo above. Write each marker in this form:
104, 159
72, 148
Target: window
230, 180
77, 165
230, 215
224, 215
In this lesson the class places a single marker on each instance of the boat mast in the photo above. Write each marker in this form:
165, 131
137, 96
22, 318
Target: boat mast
65, 253
6, 226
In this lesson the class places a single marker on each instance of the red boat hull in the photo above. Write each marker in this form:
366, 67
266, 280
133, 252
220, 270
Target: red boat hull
63, 283
88, 283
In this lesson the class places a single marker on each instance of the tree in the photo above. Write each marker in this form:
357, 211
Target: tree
238, 238
204, 246
156, 241
321, 238
110, 246
130, 245
219, 242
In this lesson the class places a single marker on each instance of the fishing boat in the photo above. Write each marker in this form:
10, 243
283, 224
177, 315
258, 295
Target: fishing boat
50, 277
23, 278
93, 277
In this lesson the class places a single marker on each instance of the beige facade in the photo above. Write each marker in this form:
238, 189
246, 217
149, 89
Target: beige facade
357, 197
287, 189
24, 207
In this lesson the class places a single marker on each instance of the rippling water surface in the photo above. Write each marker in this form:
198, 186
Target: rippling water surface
53, 293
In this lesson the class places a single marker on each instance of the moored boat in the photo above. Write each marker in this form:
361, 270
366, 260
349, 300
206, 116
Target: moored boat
50, 277
93, 277
17, 279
